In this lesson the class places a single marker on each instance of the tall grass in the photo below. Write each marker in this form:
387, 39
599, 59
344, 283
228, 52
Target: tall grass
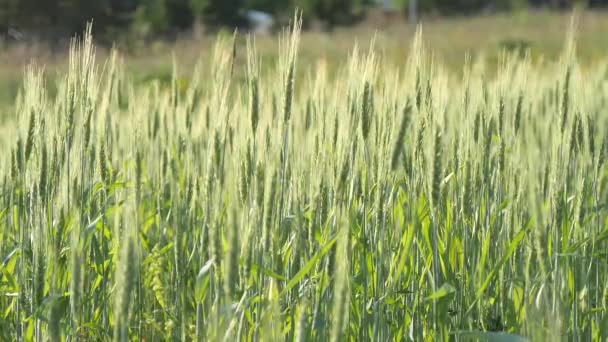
384, 203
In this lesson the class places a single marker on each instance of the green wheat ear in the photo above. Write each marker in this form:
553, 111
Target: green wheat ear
29, 141
367, 109
398, 146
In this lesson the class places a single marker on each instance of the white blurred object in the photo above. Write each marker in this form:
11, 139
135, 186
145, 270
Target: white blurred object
15, 34
387, 5
260, 22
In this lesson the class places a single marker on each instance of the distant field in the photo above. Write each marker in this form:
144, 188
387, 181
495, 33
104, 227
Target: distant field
450, 39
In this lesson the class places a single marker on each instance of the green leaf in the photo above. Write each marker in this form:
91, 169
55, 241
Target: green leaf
311, 263
445, 290
202, 280
91, 227
267, 272
15, 252
512, 247
29, 331
7, 269
406, 246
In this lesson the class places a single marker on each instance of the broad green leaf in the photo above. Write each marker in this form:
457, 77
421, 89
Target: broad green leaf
11, 256
445, 290
202, 280
512, 247
29, 331
311, 263
406, 245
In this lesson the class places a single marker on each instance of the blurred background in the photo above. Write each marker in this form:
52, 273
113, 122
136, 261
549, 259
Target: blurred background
151, 33
55, 19
115, 19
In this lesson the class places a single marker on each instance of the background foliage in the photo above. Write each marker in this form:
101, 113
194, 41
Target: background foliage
62, 17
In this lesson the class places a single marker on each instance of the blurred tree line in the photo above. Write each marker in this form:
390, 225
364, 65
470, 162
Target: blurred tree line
52, 18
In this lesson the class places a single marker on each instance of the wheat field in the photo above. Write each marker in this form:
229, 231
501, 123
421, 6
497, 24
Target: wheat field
373, 202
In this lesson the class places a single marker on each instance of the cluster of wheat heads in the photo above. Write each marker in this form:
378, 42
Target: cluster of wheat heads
379, 203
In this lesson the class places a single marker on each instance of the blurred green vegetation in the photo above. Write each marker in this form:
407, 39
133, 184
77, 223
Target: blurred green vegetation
452, 40
58, 18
